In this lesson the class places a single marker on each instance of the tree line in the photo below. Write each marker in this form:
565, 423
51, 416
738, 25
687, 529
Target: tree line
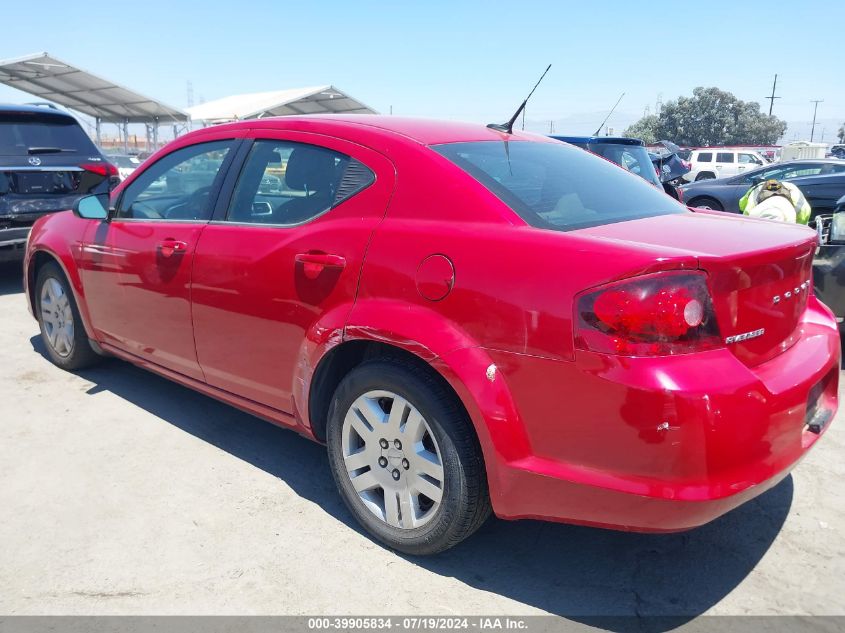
710, 117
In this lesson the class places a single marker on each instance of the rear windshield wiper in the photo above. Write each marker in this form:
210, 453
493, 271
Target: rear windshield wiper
48, 150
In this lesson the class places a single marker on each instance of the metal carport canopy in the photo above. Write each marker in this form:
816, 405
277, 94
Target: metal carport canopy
311, 100
50, 79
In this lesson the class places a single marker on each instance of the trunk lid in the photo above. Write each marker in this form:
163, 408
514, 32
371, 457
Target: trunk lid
759, 272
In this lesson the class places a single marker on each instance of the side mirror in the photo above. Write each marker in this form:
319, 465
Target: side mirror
95, 207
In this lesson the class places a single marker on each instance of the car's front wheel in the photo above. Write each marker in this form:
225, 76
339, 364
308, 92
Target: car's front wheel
405, 457
706, 203
61, 326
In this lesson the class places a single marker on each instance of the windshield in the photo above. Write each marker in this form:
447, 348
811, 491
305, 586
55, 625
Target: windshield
558, 186
25, 133
634, 158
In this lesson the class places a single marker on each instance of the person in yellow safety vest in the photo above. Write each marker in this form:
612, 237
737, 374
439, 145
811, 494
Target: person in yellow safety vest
774, 200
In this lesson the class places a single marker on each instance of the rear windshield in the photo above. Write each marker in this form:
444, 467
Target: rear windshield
557, 186
26, 133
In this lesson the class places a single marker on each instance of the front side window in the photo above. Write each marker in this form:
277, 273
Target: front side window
747, 159
288, 183
556, 186
176, 187
724, 157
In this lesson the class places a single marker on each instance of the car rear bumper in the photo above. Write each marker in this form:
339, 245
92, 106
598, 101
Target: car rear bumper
13, 243
662, 444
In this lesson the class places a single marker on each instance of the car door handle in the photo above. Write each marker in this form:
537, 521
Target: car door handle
314, 262
169, 247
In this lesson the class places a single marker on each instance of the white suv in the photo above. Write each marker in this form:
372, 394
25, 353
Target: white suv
721, 162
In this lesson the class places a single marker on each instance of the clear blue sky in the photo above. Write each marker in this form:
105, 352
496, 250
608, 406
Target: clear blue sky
460, 60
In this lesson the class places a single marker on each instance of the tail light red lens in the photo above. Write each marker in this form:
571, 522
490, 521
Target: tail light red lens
103, 169
653, 315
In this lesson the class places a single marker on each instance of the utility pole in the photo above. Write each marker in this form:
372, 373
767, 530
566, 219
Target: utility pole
190, 90
773, 97
816, 103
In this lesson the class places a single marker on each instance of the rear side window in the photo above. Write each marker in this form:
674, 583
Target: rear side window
724, 157
705, 157
289, 183
556, 186
25, 133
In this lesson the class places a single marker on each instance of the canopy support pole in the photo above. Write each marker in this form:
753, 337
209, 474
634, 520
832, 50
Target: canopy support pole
97, 130
155, 134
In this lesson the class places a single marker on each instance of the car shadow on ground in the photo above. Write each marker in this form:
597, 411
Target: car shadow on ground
615, 580
11, 278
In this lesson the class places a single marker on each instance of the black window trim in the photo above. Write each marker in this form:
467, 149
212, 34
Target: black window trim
214, 194
224, 197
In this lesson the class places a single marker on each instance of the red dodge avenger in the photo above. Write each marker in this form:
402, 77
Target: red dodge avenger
471, 320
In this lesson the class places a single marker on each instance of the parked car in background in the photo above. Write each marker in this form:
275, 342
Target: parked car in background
47, 162
125, 164
527, 335
670, 167
822, 191
629, 153
721, 162
723, 194
829, 262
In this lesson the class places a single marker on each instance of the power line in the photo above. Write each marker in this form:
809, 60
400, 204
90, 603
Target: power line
773, 97
816, 103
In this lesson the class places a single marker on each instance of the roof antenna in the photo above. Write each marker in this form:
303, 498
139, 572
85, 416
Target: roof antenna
508, 127
598, 131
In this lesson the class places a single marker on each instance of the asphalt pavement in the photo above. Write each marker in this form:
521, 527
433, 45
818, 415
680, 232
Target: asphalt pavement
124, 493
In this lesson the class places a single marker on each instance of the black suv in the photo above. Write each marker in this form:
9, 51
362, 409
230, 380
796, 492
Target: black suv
47, 161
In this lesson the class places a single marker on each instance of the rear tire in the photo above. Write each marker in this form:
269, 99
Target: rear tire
706, 203
420, 486
61, 326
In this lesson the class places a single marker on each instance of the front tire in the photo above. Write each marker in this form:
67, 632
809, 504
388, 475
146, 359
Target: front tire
405, 457
706, 203
58, 317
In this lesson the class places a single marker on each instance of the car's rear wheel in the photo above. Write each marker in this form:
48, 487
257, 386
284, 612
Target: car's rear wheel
405, 457
706, 203
61, 326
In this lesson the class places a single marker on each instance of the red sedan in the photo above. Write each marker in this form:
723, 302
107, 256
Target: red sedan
469, 319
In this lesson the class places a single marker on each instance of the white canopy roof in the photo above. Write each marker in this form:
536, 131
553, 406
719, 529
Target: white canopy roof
312, 100
50, 79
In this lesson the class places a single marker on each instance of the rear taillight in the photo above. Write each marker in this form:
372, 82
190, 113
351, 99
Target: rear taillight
653, 315
103, 169
680, 193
